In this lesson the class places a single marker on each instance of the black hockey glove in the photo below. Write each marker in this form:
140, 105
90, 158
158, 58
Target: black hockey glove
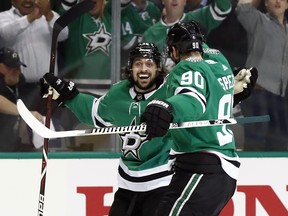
245, 78
62, 90
158, 116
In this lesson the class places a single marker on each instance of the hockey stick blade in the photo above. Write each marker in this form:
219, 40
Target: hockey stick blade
45, 132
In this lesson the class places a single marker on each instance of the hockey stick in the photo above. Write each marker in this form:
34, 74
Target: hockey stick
43, 131
58, 26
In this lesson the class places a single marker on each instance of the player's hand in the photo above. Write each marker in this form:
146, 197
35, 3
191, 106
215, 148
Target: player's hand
62, 90
245, 81
158, 116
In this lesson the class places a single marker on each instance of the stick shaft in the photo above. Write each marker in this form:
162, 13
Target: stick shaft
48, 133
59, 24
142, 128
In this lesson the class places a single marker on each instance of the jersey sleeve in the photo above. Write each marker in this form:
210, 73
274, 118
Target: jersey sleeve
221, 7
66, 5
181, 103
187, 92
81, 106
91, 110
102, 113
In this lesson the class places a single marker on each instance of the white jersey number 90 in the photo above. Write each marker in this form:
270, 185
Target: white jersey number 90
224, 112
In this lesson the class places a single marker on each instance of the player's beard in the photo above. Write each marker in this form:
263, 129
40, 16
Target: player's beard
149, 86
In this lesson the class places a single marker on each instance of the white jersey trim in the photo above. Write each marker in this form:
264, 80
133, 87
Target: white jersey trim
148, 185
193, 93
228, 167
215, 11
95, 115
144, 186
141, 173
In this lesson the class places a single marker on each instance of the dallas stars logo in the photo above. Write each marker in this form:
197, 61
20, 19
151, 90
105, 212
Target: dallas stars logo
99, 40
132, 142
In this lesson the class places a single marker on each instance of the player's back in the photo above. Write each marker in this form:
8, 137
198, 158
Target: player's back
211, 96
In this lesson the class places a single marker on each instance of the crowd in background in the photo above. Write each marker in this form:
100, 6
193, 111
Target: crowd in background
250, 33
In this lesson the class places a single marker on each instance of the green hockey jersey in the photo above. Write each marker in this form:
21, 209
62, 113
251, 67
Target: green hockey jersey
88, 48
144, 165
203, 90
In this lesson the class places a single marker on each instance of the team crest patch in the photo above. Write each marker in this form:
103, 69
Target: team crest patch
132, 142
100, 40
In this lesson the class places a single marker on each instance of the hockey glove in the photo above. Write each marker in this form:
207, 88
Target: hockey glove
62, 90
157, 115
245, 81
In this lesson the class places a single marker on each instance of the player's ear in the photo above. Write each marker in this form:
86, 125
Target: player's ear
175, 54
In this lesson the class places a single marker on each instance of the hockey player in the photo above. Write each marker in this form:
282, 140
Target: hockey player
206, 166
145, 168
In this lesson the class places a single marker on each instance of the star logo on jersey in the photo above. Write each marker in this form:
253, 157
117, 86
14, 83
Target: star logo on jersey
132, 142
99, 40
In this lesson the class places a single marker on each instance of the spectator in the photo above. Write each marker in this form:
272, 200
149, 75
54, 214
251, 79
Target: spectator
11, 82
267, 50
208, 17
95, 40
206, 164
135, 20
9, 108
88, 64
27, 27
138, 17
6, 4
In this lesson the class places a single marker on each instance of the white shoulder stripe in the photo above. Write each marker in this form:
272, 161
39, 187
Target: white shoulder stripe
193, 93
217, 14
220, 12
228, 167
95, 115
